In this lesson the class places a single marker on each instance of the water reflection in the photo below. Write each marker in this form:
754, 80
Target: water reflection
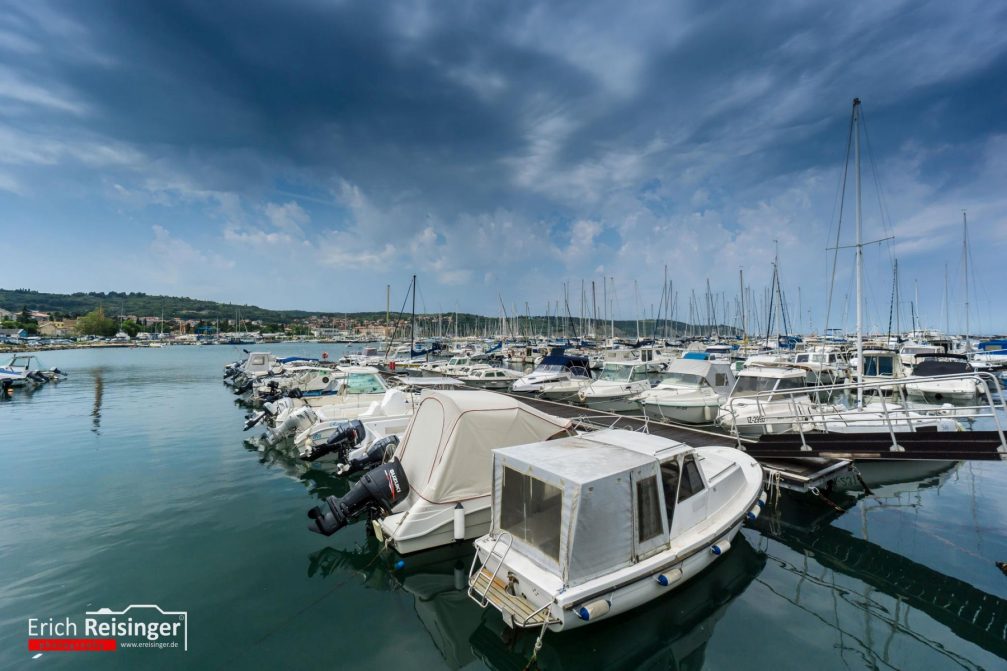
320, 483
887, 586
671, 632
99, 390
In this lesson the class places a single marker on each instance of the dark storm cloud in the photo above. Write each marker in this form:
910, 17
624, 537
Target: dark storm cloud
470, 140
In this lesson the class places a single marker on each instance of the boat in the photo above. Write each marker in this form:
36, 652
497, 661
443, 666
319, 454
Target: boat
488, 377
931, 388
437, 487
619, 383
555, 367
879, 365
691, 390
568, 387
759, 396
587, 527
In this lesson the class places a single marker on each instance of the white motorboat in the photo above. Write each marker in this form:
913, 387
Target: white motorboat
25, 370
824, 365
487, 377
759, 396
880, 365
588, 527
619, 383
569, 387
437, 488
554, 368
691, 390
931, 388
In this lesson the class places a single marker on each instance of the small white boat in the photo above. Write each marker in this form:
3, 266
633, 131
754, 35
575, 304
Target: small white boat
568, 388
691, 390
930, 388
487, 377
554, 368
881, 365
587, 527
763, 393
618, 384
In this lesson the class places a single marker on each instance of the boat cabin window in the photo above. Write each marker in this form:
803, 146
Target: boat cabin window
790, 383
615, 373
648, 508
579, 371
749, 385
877, 365
802, 358
532, 511
719, 379
692, 481
639, 374
669, 481
684, 379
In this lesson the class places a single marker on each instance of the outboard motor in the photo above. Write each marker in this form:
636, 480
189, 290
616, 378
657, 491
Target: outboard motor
378, 490
342, 441
246, 386
367, 458
253, 419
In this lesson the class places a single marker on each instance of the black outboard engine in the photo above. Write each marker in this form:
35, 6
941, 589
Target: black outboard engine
374, 455
342, 441
254, 418
238, 391
378, 490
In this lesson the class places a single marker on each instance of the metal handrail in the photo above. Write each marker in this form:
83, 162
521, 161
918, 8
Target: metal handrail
815, 414
483, 598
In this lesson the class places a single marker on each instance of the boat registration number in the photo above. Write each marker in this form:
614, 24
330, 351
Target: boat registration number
758, 419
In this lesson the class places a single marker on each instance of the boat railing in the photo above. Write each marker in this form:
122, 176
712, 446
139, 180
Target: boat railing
801, 410
482, 597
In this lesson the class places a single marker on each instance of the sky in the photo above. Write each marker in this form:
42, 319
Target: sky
305, 154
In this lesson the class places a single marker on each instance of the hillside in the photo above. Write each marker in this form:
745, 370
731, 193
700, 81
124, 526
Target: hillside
146, 305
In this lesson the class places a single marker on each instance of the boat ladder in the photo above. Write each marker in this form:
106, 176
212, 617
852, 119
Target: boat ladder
480, 579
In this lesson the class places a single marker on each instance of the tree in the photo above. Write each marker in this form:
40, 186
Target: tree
96, 323
131, 328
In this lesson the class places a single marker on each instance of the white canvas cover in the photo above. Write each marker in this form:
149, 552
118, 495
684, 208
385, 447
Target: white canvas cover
596, 473
704, 369
447, 449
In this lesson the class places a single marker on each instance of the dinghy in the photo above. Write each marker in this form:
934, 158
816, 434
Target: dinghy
587, 527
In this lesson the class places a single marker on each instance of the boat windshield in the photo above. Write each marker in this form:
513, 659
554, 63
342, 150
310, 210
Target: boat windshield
615, 373
684, 379
364, 383
878, 365
749, 385
550, 368
25, 362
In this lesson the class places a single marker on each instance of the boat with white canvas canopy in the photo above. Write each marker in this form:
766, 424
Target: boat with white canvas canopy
590, 526
441, 470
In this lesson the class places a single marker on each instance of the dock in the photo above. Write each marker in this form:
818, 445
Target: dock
792, 470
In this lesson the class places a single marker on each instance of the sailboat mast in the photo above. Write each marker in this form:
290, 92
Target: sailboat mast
860, 258
744, 320
412, 323
965, 254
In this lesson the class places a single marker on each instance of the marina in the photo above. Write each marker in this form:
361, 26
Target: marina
503, 335
886, 574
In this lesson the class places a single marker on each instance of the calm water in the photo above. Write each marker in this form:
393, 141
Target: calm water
129, 483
